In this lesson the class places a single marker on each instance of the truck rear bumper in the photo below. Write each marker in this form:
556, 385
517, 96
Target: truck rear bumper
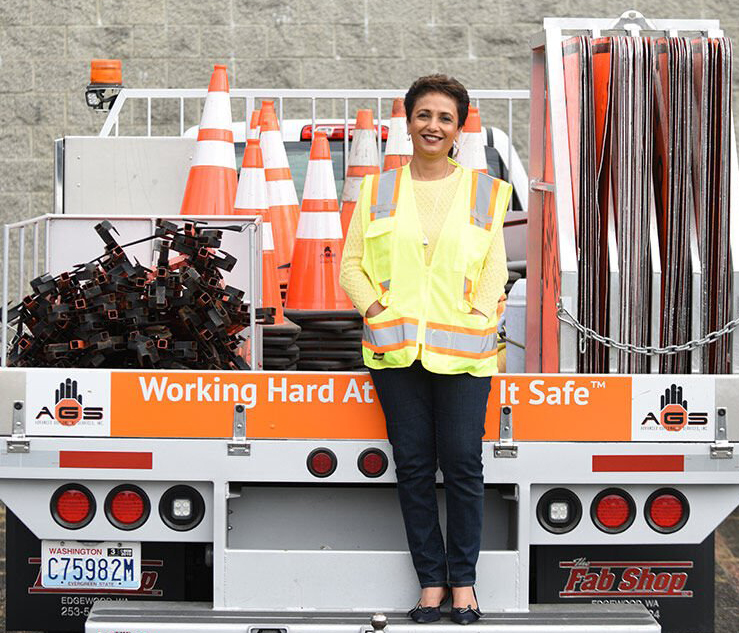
161, 617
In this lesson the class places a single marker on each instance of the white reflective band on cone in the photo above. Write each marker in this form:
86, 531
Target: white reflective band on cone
281, 193
351, 188
318, 225
252, 190
398, 141
268, 240
319, 181
364, 149
273, 150
217, 111
214, 154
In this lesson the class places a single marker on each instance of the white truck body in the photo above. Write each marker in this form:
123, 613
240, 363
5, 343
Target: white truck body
293, 552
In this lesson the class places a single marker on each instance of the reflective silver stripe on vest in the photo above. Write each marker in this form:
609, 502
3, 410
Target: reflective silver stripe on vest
385, 285
481, 214
391, 336
461, 342
385, 206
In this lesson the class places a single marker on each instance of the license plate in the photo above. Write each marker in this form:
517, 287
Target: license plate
108, 565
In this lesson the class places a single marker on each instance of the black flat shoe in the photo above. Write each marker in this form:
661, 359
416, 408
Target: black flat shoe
426, 615
468, 614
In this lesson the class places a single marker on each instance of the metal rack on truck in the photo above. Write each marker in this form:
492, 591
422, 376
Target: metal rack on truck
285, 480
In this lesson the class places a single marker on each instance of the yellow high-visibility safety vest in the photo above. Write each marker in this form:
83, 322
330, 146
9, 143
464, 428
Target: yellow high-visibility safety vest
430, 306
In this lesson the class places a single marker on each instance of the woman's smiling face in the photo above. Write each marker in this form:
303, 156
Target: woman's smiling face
434, 124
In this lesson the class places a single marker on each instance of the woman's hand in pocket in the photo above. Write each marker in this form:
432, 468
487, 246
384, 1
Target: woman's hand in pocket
375, 309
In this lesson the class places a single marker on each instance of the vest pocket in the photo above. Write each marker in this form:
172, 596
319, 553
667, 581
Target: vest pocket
473, 249
378, 240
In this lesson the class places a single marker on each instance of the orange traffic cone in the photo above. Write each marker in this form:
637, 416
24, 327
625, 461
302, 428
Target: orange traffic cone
281, 196
314, 281
254, 125
211, 183
251, 199
399, 149
363, 160
471, 151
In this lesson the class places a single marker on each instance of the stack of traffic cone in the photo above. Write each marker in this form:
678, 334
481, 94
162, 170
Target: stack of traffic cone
399, 148
254, 125
363, 160
279, 348
472, 143
281, 196
331, 333
211, 183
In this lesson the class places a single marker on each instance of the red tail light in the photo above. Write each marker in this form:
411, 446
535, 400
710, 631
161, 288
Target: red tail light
127, 507
372, 462
613, 511
321, 462
72, 506
666, 510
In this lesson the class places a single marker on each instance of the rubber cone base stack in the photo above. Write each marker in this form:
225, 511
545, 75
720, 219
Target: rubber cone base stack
279, 349
329, 341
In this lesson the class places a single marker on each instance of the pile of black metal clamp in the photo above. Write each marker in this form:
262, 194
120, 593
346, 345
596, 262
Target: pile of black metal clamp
111, 312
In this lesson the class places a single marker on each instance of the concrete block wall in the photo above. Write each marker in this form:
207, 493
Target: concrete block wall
46, 45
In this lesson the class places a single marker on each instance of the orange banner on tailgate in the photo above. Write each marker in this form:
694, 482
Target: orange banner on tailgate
564, 408
344, 406
278, 405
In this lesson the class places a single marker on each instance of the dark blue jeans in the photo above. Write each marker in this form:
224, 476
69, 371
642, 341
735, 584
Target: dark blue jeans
437, 419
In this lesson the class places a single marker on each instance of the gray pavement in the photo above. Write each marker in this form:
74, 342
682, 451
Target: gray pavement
727, 574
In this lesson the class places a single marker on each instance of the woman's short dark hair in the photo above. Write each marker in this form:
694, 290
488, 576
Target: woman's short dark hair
438, 83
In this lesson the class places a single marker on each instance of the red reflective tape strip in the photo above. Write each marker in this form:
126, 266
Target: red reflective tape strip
362, 170
104, 459
214, 134
638, 463
277, 173
320, 205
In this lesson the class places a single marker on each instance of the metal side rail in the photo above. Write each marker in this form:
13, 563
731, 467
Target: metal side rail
137, 617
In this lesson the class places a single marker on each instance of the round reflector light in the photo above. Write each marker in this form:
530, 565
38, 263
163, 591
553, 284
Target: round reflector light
372, 462
559, 511
72, 506
666, 510
127, 507
613, 511
321, 462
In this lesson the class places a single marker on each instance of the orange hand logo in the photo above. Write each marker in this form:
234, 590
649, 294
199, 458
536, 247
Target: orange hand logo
674, 414
68, 410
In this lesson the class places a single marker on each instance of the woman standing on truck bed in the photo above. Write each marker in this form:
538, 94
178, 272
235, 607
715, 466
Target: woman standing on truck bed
424, 261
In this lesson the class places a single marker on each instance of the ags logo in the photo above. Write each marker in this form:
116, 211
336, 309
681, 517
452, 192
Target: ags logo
674, 414
328, 255
68, 409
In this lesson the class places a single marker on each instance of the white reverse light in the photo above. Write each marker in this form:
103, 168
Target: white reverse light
182, 508
559, 511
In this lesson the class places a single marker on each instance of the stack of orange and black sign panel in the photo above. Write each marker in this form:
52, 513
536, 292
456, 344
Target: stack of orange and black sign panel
711, 130
648, 132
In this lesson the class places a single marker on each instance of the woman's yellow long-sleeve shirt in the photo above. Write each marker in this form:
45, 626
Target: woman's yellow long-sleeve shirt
433, 201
